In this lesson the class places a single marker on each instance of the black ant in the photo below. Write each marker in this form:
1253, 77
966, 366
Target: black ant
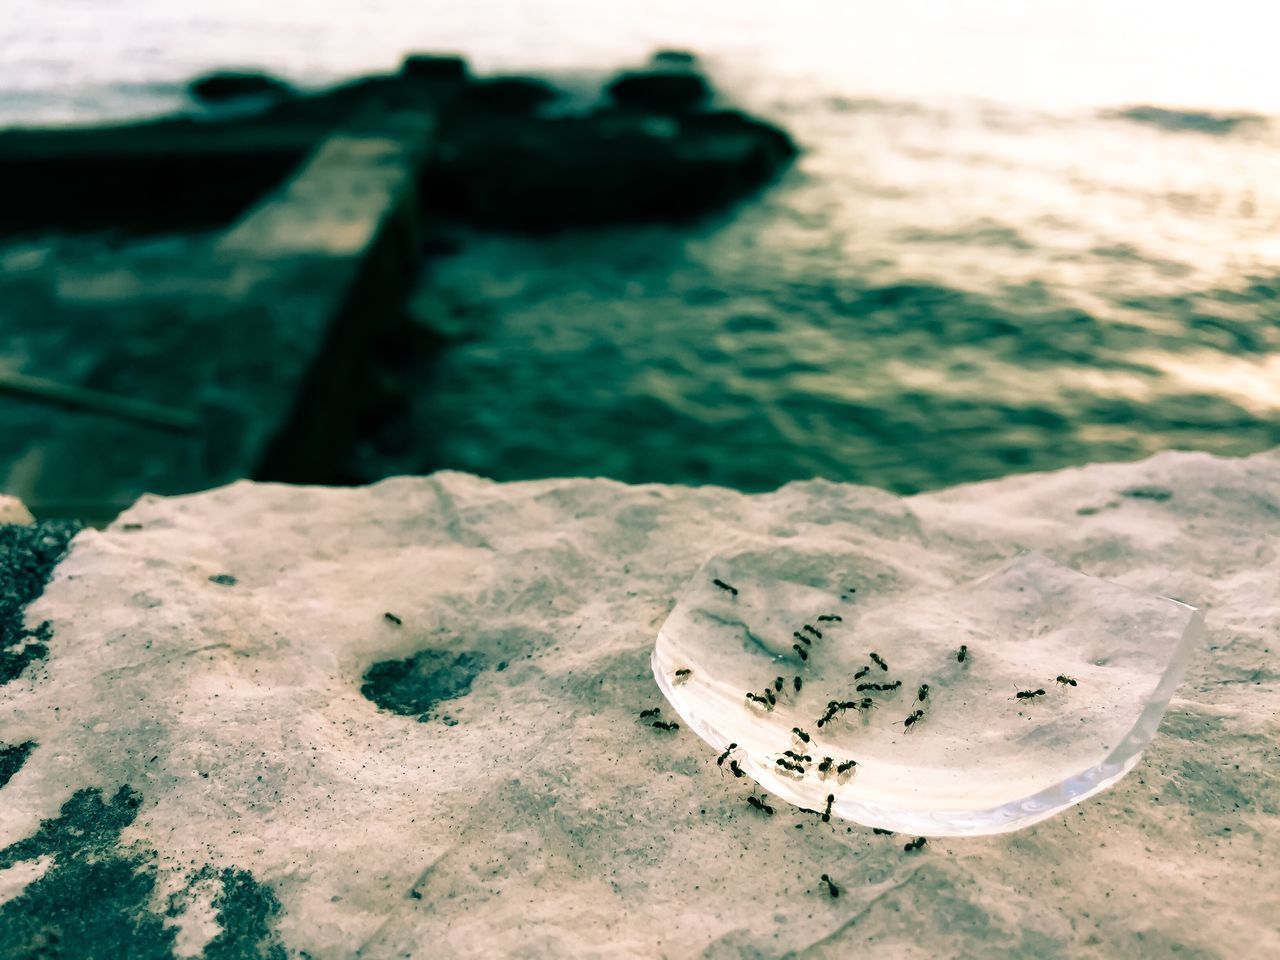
802, 638
881, 687
799, 757
866, 703
912, 720
825, 766
724, 586
831, 887
832, 707
768, 695
862, 673
737, 770
392, 618
683, 674
786, 764
883, 833
756, 698
915, 844
826, 814
845, 767
797, 683
831, 618
814, 630
725, 756
666, 725
1028, 694
923, 693
804, 654
777, 684
760, 805
646, 714
1065, 680
879, 661
800, 734
962, 654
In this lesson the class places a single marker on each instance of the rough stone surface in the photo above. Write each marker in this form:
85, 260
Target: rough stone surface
12, 510
210, 778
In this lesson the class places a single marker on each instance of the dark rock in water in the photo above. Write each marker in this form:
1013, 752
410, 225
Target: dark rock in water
517, 95
674, 59
662, 91
226, 86
424, 66
607, 167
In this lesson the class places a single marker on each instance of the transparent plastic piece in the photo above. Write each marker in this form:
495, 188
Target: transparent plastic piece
979, 759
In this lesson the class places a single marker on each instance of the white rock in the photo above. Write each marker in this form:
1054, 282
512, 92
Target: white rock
549, 821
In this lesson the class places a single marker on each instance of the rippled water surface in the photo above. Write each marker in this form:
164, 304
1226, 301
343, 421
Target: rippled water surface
981, 263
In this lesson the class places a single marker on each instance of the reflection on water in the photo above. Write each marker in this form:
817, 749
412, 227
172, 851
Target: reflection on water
1020, 236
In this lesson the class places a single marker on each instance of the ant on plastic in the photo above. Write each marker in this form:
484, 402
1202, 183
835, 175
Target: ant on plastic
683, 674
879, 661
804, 654
826, 814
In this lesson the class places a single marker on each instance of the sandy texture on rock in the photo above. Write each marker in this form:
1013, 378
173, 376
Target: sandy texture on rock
530, 813
12, 510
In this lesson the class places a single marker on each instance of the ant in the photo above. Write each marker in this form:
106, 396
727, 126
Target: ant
915, 844
831, 887
825, 766
826, 814
737, 770
962, 654
392, 618
883, 833
831, 618
683, 674
646, 714
760, 805
804, 654
768, 695
800, 734
845, 767
666, 725
866, 703
756, 698
802, 638
725, 756
1065, 680
724, 586
923, 693
830, 715
862, 673
799, 757
786, 764
814, 630
879, 661
777, 684
912, 720
1028, 694
798, 683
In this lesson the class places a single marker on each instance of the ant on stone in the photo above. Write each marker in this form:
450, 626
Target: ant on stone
802, 638
800, 735
915, 844
826, 814
392, 618
866, 703
923, 693
862, 673
724, 586
962, 654
916, 717
725, 756
760, 805
666, 725
646, 714
683, 674
883, 833
804, 654
879, 661
831, 887
814, 630
1028, 694
1065, 680
831, 618
797, 683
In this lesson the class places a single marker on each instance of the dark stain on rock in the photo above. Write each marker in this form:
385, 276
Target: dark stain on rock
12, 758
95, 900
28, 555
411, 687
244, 908
223, 580
1158, 494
